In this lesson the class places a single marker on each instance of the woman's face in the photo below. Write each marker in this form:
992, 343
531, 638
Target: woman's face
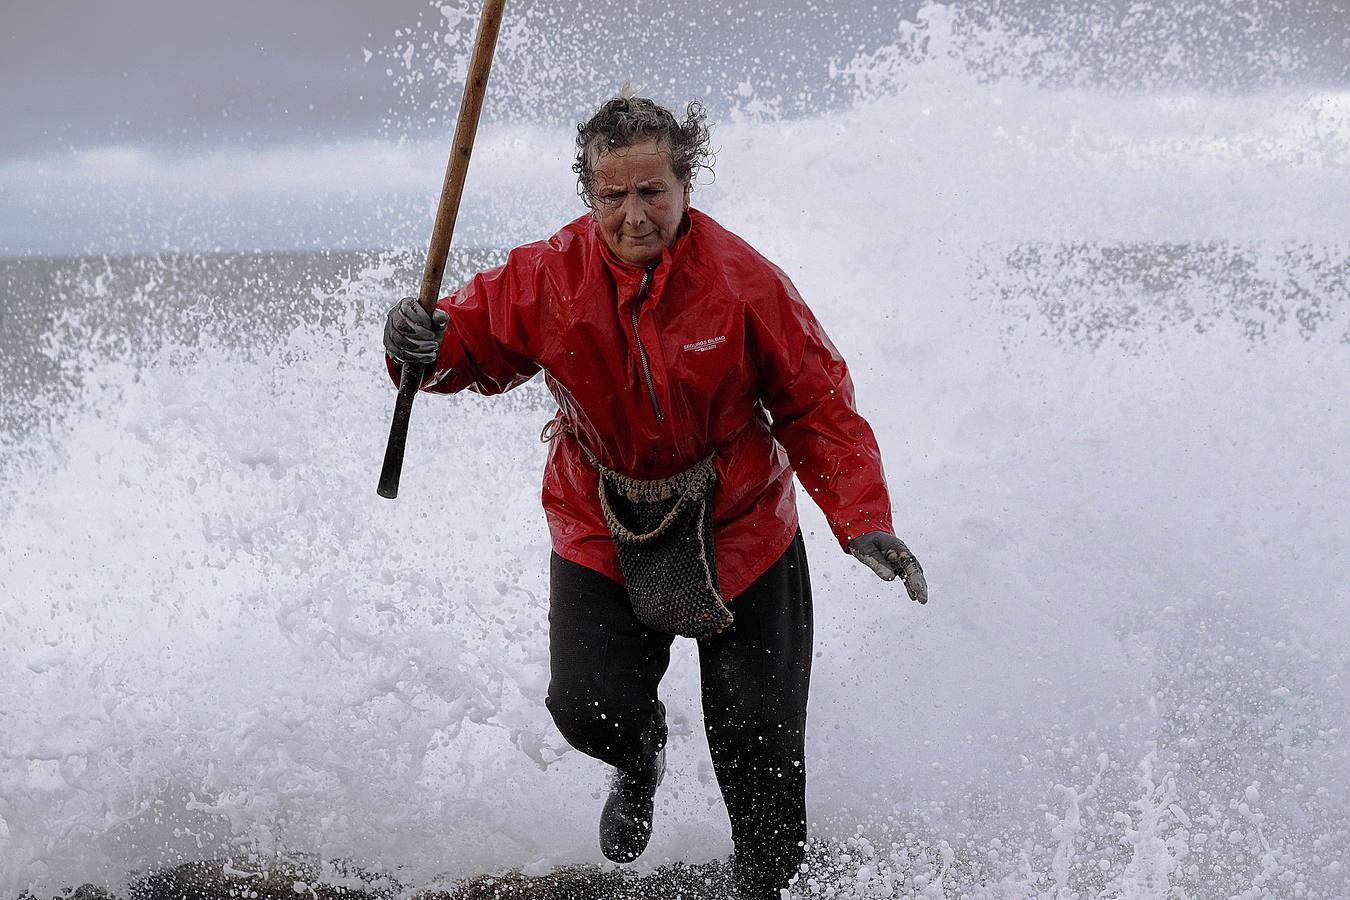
637, 201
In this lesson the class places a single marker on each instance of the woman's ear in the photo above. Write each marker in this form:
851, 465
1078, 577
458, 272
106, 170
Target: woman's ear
688, 186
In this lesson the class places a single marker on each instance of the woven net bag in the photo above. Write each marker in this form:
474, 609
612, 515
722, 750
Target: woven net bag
662, 531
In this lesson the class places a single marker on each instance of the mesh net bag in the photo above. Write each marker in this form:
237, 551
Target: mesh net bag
662, 531
663, 535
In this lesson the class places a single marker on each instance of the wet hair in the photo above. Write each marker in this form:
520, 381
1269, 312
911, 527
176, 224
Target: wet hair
627, 120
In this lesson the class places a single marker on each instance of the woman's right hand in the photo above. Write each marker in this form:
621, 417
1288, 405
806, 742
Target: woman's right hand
412, 336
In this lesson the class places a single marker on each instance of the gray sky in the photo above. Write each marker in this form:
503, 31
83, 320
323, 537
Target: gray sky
170, 72
99, 98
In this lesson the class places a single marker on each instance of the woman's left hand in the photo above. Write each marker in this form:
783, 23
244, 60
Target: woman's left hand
887, 555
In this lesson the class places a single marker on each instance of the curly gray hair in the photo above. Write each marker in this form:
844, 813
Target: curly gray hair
627, 120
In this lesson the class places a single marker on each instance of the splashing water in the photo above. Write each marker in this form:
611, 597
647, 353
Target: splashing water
1103, 338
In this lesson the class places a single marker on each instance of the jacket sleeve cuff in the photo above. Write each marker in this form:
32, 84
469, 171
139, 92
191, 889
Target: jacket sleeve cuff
846, 531
430, 376
450, 357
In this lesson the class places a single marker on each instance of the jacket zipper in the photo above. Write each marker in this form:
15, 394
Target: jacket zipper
642, 351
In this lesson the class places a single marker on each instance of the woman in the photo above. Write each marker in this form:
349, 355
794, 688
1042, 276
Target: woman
670, 345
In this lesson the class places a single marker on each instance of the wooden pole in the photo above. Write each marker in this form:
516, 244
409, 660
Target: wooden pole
456, 170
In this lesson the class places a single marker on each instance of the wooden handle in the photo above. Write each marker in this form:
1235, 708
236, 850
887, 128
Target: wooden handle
456, 170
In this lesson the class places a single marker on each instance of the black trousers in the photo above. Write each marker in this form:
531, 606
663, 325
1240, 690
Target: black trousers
605, 667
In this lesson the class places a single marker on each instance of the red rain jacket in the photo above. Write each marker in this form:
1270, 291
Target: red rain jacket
734, 362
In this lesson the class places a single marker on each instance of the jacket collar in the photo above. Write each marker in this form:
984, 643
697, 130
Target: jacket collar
628, 277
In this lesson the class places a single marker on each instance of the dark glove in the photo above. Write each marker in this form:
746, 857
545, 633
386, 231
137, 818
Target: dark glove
888, 556
412, 336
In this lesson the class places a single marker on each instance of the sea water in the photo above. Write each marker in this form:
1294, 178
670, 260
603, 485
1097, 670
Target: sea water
1104, 341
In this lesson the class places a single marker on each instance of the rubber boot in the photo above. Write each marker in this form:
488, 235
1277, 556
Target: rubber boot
626, 822
755, 882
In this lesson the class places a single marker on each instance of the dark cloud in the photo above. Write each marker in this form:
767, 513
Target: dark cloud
172, 72
251, 72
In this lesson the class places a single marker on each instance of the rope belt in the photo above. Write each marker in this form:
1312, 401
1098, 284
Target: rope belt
662, 531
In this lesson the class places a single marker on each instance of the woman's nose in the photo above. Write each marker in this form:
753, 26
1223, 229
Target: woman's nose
633, 211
